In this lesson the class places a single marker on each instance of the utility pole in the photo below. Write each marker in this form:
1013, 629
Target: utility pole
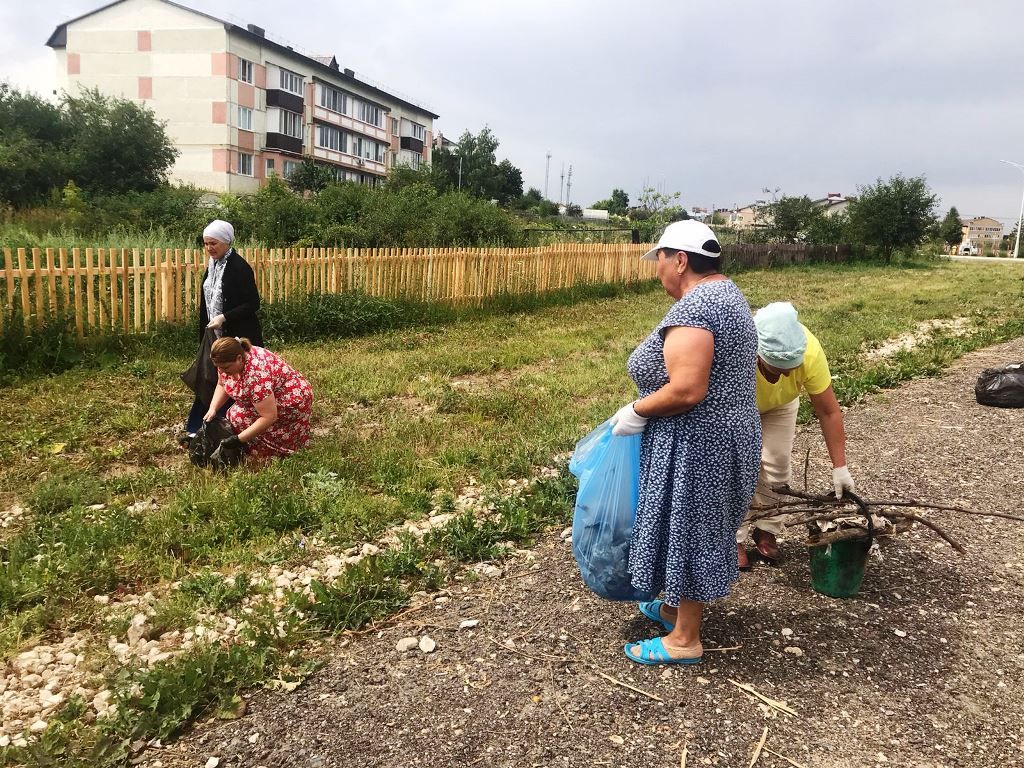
561, 184
1020, 217
568, 187
547, 168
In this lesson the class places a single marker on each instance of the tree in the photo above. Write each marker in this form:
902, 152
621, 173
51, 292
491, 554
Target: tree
509, 183
655, 211
310, 176
790, 219
115, 145
951, 228
32, 137
617, 204
473, 161
892, 215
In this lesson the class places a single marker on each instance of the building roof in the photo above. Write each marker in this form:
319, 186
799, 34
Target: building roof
328, 64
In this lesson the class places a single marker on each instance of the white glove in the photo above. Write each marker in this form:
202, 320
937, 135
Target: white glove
626, 421
842, 481
216, 322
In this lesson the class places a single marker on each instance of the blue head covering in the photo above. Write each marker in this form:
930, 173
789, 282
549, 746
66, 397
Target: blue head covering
781, 341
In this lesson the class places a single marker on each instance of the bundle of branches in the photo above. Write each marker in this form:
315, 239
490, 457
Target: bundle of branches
830, 519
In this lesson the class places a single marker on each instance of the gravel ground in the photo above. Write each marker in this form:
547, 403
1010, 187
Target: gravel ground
923, 668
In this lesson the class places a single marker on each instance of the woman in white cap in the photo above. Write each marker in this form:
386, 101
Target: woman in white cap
228, 302
789, 360
701, 446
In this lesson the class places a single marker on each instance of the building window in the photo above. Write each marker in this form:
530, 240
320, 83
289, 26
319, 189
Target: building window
291, 82
394, 126
244, 164
291, 124
245, 71
245, 118
410, 159
290, 166
419, 131
368, 149
271, 167
329, 137
369, 113
333, 99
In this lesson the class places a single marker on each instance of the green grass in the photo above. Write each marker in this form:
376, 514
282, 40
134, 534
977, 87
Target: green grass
411, 415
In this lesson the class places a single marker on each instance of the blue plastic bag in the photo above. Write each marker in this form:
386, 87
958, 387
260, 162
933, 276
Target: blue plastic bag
608, 468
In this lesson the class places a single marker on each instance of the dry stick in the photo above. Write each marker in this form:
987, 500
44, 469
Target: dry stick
542, 657
682, 756
783, 757
633, 688
389, 621
934, 526
551, 674
807, 464
770, 702
759, 747
888, 515
722, 650
924, 505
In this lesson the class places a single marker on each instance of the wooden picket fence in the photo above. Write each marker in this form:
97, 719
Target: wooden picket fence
131, 290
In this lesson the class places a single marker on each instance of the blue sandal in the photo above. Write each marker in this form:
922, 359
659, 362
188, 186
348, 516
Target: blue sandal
653, 652
652, 611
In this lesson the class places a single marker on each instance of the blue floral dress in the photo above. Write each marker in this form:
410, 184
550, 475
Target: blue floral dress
698, 469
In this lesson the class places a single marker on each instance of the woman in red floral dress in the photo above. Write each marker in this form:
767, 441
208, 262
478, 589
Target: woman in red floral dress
273, 401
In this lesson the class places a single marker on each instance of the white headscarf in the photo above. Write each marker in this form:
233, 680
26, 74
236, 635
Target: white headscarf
219, 230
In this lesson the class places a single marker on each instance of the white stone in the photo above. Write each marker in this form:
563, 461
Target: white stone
793, 650
427, 644
37, 727
407, 644
899, 633
787, 632
213, 762
468, 623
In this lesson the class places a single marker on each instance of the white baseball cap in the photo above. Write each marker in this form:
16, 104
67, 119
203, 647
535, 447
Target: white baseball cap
691, 236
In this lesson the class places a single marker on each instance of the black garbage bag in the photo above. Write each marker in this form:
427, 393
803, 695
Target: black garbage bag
206, 449
201, 376
1002, 387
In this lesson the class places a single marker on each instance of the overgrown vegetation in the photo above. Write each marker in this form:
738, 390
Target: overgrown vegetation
408, 417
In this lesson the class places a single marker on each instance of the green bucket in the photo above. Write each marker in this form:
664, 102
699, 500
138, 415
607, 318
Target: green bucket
839, 572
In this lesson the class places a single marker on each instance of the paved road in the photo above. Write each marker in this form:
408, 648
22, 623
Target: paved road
990, 259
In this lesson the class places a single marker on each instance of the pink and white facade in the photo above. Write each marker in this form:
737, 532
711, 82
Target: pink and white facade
238, 106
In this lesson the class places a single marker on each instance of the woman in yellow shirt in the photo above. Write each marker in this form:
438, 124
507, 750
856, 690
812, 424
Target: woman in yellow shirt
789, 359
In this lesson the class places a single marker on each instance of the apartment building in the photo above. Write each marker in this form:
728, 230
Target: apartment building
981, 233
239, 106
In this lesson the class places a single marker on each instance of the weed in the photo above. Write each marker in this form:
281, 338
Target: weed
214, 591
363, 593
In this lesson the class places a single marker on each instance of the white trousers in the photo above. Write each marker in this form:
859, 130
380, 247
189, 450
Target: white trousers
778, 430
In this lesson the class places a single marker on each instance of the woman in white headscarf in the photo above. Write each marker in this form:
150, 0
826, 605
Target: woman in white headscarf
228, 302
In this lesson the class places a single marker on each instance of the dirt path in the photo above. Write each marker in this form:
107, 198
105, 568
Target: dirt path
922, 669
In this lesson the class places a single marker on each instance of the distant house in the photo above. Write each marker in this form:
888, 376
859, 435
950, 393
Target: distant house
753, 216
833, 203
982, 233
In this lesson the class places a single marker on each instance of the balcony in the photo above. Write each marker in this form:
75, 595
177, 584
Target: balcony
284, 100
283, 142
349, 123
349, 161
413, 145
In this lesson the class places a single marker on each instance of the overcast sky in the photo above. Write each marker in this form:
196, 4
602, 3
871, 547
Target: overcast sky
715, 99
